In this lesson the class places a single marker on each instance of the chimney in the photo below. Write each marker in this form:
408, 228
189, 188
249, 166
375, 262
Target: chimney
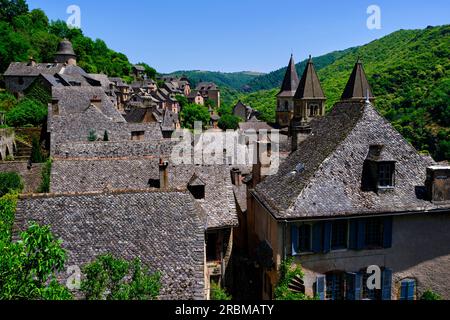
96, 102
438, 184
32, 62
263, 162
163, 174
236, 176
55, 107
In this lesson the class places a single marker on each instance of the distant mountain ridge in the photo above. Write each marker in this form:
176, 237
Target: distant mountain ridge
233, 80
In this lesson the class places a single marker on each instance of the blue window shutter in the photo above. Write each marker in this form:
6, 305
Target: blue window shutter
358, 286
411, 289
387, 232
317, 237
386, 284
320, 287
327, 237
404, 290
361, 239
353, 234
294, 239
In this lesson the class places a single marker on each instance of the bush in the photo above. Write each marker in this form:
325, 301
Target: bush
229, 121
27, 112
10, 182
430, 296
192, 113
36, 152
287, 274
7, 101
7, 211
218, 294
92, 136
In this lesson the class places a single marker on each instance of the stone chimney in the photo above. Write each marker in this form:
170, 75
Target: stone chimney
438, 184
263, 162
236, 177
163, 174
55, 107
96, 102
32, 62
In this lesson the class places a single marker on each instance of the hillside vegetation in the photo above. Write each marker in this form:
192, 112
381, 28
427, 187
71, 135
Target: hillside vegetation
409, 74
233, 80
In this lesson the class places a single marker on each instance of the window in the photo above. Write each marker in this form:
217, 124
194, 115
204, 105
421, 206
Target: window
339, 231
286, 105
385, 175
374, 233
369, 294
304, 238
21, 81
407, 289
137, 135
197, 191
335, 283
313, 110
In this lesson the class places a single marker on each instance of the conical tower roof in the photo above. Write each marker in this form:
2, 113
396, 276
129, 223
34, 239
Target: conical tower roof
358, 87
65, 48
290, 82
309, 87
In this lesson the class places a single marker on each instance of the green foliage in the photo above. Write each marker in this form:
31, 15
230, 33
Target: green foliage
182, 100
430, 296
149, 71
37, 93
8, 204
11, 8
10, 182
229, 121
36, 151
106, 136
92, 136
287, 274
7, 101
217, 293
192, 113
106, 278
46, 173
27, 112
29, 267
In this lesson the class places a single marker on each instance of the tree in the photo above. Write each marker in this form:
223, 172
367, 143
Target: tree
287, 274
10, 182
105, 136
229, 121
29, 267
107, 278
182, 100
36, 151
27, 112
192, 113
12, 8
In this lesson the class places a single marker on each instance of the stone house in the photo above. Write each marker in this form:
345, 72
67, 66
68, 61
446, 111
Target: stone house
196, 97
209, 91
163, 229
354, 194
246, 113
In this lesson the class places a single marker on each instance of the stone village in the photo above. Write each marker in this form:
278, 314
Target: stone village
349, 191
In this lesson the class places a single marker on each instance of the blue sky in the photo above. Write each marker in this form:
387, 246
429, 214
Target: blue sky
237, 35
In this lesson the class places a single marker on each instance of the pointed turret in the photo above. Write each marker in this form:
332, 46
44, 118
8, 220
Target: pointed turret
290, 82
309, 87
358, 88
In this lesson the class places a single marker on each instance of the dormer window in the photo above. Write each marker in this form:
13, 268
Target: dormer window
379, 170
196, 187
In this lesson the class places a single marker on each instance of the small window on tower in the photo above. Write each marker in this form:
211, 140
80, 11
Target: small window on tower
386, 175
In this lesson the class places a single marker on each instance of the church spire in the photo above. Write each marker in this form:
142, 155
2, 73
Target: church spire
290, 82
310, 87
358, 88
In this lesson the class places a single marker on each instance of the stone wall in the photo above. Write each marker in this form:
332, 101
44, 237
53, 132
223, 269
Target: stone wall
32, 178
7, 143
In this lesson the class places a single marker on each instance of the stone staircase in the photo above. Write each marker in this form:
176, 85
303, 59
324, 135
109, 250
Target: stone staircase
23, 152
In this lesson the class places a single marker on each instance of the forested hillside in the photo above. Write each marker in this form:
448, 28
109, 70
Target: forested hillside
409, 73
25, 33
234, 80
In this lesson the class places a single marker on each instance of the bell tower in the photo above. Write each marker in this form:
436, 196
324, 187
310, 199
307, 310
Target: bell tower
65, 53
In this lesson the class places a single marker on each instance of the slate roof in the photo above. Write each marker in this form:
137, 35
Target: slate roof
206, 86
25, 69
357, 86
323, 177
309, 86
136, 115
290, 81
97, 174
254, 125
163, 229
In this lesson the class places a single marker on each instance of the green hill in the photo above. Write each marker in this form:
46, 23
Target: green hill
234, 80
409, 74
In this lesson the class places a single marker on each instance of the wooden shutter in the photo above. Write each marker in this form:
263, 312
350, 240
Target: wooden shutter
354, 286
403, 290
386, 284
320, 287
353, 234
317, 235
361, 238
327, 237
294, 239
387, 232
411, 289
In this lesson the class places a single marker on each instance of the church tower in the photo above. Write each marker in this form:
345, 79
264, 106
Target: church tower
65, 53
358, 88
285, 98
309, 102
